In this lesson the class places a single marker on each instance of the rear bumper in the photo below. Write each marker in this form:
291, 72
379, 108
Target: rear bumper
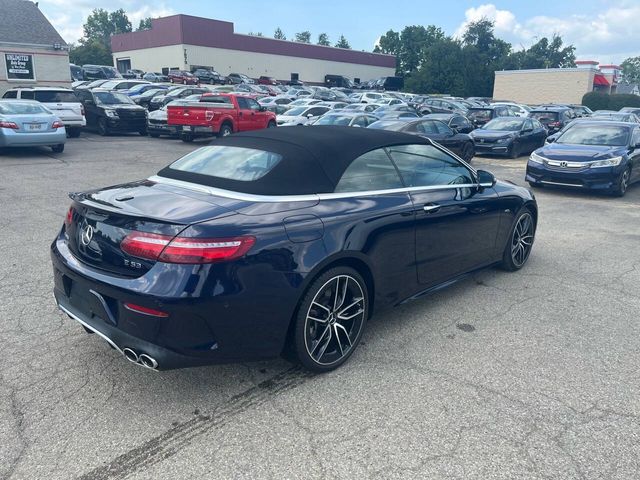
223, 314
590, 178
9, 138
74, 122
162, 129
196, 131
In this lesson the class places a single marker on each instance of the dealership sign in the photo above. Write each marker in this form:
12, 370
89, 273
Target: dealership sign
19, 66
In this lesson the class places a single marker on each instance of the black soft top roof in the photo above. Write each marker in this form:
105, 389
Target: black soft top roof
313, 158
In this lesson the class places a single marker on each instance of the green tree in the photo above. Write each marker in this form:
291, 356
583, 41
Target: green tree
631, 70
342, 43
279, 34
323, 39
389, 43
145, 24
100, 25
542, 54
91, 51
414, 40
442, 69
484, 54
303, 37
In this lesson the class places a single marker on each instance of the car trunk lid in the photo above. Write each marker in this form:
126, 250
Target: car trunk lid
99, 221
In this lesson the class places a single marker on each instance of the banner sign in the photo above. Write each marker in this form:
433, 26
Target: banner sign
19, 66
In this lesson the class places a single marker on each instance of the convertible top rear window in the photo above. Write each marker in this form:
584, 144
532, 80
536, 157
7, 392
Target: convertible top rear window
282, 161
232, 163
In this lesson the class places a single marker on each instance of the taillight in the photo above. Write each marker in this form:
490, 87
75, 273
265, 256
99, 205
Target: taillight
168, 249
145, 310
554, 124
57, 124
69, 218
12, 125
82, 110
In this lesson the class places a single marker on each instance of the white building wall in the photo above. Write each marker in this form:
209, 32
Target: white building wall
51, 67
252, 64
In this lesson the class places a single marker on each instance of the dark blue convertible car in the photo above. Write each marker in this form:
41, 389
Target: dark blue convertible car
281, 240
596, 155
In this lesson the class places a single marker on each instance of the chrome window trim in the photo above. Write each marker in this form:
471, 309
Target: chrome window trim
303, 198
315, 197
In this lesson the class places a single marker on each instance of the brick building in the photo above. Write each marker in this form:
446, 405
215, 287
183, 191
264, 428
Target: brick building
557, 85
186, 42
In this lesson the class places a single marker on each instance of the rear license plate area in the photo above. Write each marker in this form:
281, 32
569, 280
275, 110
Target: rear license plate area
34, 126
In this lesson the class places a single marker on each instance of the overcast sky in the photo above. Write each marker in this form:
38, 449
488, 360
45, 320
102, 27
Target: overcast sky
602, 30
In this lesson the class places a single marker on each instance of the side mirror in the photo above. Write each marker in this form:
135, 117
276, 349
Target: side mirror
486, 179
309, 115
551, 138
526, 130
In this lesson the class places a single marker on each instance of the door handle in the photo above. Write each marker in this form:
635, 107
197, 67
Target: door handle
431, 207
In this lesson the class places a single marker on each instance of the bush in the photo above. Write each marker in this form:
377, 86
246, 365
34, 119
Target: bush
596, 100
616, 102
604, 101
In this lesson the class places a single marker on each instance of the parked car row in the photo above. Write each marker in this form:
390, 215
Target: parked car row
605, 158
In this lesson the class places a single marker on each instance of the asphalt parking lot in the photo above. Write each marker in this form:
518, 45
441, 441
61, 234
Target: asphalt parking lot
529, 375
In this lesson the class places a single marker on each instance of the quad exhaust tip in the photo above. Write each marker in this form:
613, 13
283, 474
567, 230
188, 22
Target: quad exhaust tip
140, 359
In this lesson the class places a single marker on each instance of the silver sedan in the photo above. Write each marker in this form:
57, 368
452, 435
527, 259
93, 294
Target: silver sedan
26, 123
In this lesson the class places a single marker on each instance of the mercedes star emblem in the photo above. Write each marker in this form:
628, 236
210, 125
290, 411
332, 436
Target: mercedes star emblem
87, 235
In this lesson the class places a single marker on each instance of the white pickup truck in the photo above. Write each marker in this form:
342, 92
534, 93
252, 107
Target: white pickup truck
61, 101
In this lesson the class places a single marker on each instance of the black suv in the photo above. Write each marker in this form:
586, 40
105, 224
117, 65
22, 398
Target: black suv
554, 118
160, 100
211, 77
99, 72
479, 116
111, 111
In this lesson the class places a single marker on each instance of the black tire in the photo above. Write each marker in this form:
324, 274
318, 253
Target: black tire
622, 184
154, 135
535, 185
468, 152
103, 128
57, 148
272, 124
322, 347
211, 81
225, 130
515, 261
186, 137
143, 132
73, 132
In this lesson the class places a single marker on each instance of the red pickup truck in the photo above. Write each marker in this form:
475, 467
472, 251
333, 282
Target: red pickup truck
218, 114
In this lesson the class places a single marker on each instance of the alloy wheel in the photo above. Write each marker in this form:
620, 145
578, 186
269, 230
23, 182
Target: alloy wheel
334, 320
624, 182
522, 239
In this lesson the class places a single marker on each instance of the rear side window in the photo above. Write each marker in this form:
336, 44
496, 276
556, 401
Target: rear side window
51, 96
232, 163
369, 172
10, 94
426, 166
26, 94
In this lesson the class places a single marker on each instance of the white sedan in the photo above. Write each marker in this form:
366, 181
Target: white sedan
301, 115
